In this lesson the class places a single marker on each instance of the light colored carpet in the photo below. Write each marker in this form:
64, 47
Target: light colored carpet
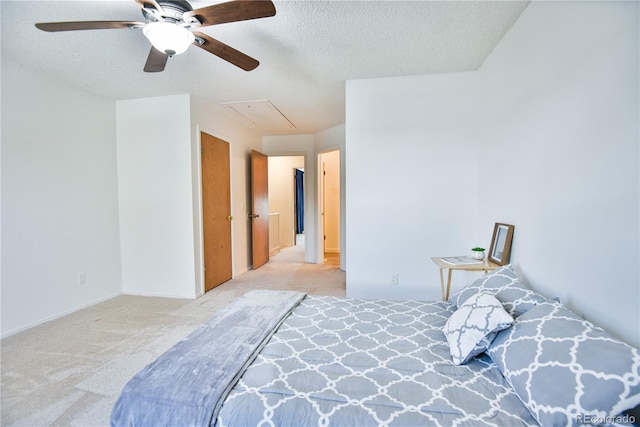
70, 371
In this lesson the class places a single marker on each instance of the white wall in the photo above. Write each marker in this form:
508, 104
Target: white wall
59, 198
411, 181
156, 196
548, 128
561, 155
63, 214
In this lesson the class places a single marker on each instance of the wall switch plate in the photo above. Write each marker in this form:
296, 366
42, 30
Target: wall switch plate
82, 278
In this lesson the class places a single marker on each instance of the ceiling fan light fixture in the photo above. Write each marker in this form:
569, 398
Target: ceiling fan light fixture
167, 37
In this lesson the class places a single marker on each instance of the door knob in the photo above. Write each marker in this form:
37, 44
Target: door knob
254, 215
229, 218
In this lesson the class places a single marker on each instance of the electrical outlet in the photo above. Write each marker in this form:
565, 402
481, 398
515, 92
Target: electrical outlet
82, 278
394, 279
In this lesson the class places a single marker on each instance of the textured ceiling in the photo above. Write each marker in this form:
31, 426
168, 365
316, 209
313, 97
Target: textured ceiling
306, 52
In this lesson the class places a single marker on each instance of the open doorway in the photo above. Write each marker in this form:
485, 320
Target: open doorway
286, 203
299, 206
330, 206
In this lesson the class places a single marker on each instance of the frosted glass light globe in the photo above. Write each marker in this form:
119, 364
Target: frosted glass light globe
169, 38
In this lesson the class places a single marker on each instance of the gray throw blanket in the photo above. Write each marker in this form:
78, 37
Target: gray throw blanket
187, 384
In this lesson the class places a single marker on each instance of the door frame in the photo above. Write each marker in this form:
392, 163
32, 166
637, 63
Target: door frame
200, 220
319, 206
311, 254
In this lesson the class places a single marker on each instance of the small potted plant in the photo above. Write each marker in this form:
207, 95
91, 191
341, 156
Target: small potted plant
477, 252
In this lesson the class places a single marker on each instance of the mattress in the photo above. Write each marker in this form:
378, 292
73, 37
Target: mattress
353, 362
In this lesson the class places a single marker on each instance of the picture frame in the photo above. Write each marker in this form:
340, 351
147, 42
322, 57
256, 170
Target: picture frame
500, 250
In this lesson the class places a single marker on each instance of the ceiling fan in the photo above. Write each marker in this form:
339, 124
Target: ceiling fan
169, 25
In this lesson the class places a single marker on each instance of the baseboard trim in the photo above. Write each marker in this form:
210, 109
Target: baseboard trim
151, 294
59, 315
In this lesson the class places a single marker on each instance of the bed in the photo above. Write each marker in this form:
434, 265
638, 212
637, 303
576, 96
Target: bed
496, 353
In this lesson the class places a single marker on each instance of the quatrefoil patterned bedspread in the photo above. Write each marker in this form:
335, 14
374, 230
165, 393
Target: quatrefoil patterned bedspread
350, 362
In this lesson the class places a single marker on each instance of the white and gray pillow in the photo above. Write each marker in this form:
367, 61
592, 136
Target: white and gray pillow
505, 285
472, 327
566, 370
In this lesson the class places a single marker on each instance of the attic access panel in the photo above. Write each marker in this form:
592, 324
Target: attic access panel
262, 114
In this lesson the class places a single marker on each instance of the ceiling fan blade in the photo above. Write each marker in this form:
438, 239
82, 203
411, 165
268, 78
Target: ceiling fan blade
88, 25
232, 11
150, 3
155, 61
226, 52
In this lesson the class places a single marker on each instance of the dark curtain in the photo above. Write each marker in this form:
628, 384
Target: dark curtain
299, 201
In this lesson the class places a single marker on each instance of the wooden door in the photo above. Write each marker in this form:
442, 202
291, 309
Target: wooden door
259, 208
216, 211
